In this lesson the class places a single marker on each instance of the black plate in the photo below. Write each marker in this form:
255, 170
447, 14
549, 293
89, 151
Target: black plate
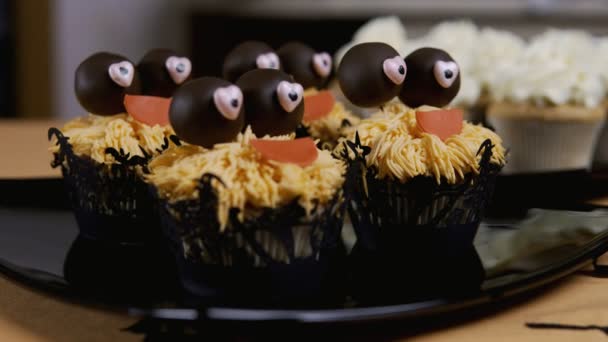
39, 247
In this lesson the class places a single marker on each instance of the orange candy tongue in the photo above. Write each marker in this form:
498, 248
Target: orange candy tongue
318, 105
151, 110
302, 151
443, 122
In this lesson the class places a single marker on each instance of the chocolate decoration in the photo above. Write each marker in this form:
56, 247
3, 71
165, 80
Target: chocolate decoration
297, 60
95, 89
421, 86
243, 58
263, 108
196, 118
362, 78
156, 80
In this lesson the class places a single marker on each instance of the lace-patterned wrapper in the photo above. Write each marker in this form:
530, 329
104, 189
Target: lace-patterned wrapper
111, 202
415, 239
281, 256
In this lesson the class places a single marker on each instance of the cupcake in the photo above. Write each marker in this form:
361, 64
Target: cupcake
254, 220
547, 104
104, 154
324, 118
601, 153
418, 180
494, 48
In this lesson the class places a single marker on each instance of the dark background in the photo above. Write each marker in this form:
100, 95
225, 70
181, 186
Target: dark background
213, 36
7, 103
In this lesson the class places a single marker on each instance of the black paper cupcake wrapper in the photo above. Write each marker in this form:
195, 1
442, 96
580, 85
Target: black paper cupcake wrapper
138, 274
412, 235
111, 202
278, 256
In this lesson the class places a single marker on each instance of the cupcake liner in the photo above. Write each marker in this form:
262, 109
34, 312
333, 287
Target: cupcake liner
111, 202
601, 152
413, 236
276, 256
547, 145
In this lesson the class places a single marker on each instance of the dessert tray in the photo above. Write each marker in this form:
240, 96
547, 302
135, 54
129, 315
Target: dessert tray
40, 247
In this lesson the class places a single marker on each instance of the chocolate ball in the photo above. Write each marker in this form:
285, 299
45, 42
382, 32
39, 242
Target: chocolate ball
273, 101
309, 68
161, 71
247, 56
371, 74
101, 82
433, 78
207, 111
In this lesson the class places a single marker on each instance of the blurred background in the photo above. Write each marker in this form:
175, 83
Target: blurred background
43, 41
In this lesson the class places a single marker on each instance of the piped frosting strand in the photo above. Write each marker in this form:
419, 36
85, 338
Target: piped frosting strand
90, 136
401, 151
250, 182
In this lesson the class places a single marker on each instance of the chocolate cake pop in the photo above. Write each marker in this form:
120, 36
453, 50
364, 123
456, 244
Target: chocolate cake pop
162, 71
247, 56
433, 78
101, 82
309, 68
207, 111
273, 101
371, 74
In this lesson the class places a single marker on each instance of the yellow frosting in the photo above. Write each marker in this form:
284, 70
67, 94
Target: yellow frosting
90, 136
329, 128
401, 151
250, 182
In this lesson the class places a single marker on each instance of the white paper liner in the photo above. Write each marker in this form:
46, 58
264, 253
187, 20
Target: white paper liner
537, 145
601, 151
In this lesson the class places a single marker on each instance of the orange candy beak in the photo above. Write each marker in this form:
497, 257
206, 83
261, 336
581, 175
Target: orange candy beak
318, 105
151, 110
302, 151
443, 122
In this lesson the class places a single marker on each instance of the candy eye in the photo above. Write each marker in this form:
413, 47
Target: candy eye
268, 60
445, 73
290, 95
395, 69
322, 64
179, 68
122, 73
228, 101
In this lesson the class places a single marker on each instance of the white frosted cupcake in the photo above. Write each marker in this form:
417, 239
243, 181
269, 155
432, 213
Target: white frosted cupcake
494, 48
601, 153
547, 104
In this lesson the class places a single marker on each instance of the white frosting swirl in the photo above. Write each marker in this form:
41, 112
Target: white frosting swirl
601, 56
494, 49
458, 38
555, 68
469, 92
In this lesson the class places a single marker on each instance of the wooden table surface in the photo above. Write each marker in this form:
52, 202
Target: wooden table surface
27, 315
